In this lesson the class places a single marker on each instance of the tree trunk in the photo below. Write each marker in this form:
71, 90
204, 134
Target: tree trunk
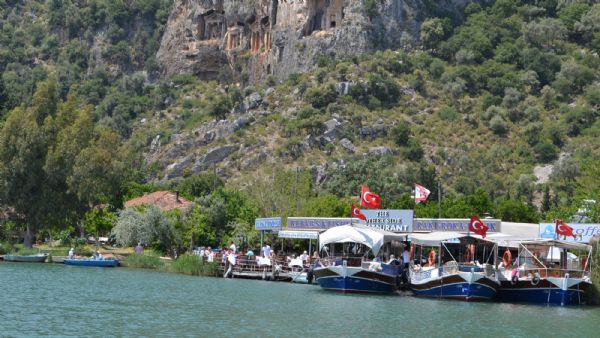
28, 240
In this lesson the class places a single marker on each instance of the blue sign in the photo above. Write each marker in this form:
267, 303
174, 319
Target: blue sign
460, 225
583, 231
298, 234
273, 223
319, 223
390, 220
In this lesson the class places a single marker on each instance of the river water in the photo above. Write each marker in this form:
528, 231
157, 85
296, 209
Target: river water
56, 300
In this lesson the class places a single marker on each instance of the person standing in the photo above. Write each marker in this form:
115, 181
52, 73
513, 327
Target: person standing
233, 248
139, 248
406, 256
71, 253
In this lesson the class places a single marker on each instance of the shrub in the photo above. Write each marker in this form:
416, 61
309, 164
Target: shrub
401, 134
545, 151
413, 151
498, 125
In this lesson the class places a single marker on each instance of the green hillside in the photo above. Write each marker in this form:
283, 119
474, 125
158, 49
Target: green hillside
499, 109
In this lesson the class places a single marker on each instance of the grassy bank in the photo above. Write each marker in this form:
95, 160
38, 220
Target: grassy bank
145, 261
185, 264
193, 265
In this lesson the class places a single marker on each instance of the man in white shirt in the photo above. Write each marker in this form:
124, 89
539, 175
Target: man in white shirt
406, 257
233, 247
266, 250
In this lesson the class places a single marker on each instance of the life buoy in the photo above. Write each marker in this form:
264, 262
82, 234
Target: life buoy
536, 279
506, 258
431, 258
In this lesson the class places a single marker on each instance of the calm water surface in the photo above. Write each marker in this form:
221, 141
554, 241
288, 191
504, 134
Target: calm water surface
57, 300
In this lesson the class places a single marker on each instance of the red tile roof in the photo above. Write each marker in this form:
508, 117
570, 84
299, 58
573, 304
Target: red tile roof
165, 200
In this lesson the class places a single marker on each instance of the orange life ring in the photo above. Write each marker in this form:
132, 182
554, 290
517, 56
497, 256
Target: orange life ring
506, 258
431, 258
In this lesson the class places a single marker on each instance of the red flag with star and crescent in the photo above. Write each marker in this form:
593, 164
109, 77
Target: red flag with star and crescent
356, 213
369, 199
563, 228
477, 226
421, 193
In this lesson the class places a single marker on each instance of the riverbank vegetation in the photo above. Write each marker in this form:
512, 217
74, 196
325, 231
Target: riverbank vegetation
498, 107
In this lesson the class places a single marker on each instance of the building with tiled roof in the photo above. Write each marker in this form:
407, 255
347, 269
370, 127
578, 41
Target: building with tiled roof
165, 200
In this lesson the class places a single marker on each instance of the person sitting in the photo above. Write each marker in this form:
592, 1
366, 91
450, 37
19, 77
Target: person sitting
304, 256
393, 260
249, 253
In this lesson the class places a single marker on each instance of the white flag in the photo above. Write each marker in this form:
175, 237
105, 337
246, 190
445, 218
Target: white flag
421, 193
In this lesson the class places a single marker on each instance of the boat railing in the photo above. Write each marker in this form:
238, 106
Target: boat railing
552, 272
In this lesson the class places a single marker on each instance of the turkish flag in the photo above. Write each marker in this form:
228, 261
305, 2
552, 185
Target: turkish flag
477, 226
369, 199
563, 228
421, 193
356, 213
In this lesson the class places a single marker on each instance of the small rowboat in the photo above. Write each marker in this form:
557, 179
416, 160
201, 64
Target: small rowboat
37, 258
108, 263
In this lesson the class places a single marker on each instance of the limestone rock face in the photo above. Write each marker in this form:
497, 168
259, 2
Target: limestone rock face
248, 40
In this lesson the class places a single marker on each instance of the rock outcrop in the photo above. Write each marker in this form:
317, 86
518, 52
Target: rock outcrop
252, 39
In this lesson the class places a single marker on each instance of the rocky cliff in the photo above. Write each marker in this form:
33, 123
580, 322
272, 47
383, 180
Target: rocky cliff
248, 40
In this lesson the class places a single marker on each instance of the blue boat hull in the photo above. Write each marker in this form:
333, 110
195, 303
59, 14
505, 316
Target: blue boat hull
108, 263
542, 293
462, 291
456, 286
355, 279
351, 284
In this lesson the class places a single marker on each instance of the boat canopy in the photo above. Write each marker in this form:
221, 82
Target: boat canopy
437, 237
371, 237
558, 244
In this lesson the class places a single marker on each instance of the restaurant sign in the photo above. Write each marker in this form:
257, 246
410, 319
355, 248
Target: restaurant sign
317, 223
455, 224
390, 220
583, 231
273, 223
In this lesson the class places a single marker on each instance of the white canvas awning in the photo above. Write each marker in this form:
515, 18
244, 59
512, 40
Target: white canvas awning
371, 237
437, 237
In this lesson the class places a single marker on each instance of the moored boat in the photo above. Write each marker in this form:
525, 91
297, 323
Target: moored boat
354, 271
37, 258
463, 269
109, 263
546, 272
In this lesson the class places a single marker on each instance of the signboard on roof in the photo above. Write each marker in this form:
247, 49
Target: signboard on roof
390, 220
453, 224
273, 223
583, 231
317, 223
298, 234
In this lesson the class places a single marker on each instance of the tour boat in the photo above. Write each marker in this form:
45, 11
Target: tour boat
109, 263
37, 258
546, 271
463, 269
353, 271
